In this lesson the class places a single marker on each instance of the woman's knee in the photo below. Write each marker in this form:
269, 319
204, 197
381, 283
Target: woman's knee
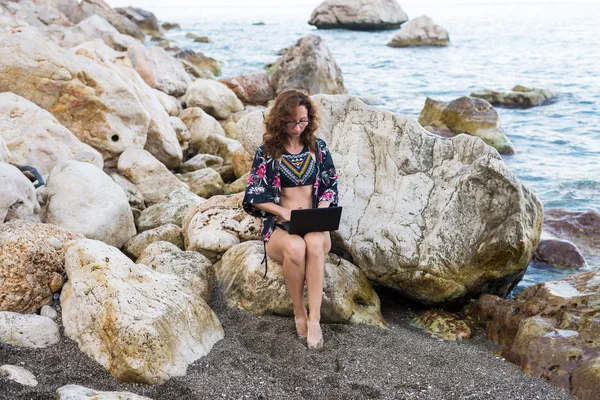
315, 243
295, 250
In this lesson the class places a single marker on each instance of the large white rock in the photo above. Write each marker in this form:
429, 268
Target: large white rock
82, 198
162, 141
17, 195
213, 97
35, 138
87, 98
172, 210
28, 330
32, 256
150, 176
200, 126
76, 392
358, 15
192, 266
101, 8
159, 69
139, 324
170, 233
220, 223
310, 66
96, 27
204, 182
347, 295
18, 374
4, 151
438, 219
171, 105
421, 31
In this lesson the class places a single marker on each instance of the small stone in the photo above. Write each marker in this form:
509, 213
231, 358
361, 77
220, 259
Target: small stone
49, 312
18, 374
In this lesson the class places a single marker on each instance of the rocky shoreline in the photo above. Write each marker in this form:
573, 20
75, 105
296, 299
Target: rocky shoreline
147, 274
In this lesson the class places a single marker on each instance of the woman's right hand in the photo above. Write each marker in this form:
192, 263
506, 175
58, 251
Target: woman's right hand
286, 214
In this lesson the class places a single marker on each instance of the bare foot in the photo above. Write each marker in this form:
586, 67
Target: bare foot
315, 336
301, 327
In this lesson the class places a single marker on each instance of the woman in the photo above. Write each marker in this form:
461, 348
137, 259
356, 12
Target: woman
293, 169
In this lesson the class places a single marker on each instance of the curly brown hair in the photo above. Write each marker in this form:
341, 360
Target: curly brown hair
275, 136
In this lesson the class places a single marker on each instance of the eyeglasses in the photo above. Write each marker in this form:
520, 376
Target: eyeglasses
301, 124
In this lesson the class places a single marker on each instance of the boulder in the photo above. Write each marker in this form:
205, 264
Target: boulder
171, 105
550, 330
219, 145
94, 28
161, 140
28, 330
4, 152
364, 15
83, 96
134, 196
201, 161
420, 31
182, 133
32, 257
200, 61
251, 88
173, 210
159, 69
347, 295
204, 182
149, 175
71, 10
145, 20
101, 8
35, 138
580, 227
241, 161
169, 233
193, 267
18, 374
309, 66
440, 220
39, 14
17, 196
213, 97
217, 225
237, 186
82, 198
518, 97
141, 325
200, 125
167, 26
468, 115
558, 253
443, 325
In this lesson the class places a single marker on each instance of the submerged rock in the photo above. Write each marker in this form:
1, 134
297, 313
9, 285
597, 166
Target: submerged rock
559, 253
550, 330
468, 115
440, 220
347, 295
420, 31
365, 15
518, 97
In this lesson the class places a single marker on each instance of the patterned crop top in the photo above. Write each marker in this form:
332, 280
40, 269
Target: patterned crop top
298, 169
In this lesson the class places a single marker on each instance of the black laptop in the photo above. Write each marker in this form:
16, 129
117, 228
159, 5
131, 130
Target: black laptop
315, 220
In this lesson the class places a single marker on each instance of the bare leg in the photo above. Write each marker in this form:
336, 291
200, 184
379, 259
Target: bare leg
290, 250
317, 245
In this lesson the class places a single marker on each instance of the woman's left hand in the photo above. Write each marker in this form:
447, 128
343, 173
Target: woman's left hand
324, 204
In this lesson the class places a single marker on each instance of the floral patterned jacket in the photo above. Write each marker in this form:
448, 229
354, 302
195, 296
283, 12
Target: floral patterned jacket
264, 185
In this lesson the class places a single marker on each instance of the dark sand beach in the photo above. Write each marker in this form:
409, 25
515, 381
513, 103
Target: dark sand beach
261, 358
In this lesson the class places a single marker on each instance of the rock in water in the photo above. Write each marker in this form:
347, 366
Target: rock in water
518, 97
139, 324
440, 220
468, 115
361, 15
420, 31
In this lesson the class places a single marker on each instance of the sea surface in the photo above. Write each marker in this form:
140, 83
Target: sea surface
493, 46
